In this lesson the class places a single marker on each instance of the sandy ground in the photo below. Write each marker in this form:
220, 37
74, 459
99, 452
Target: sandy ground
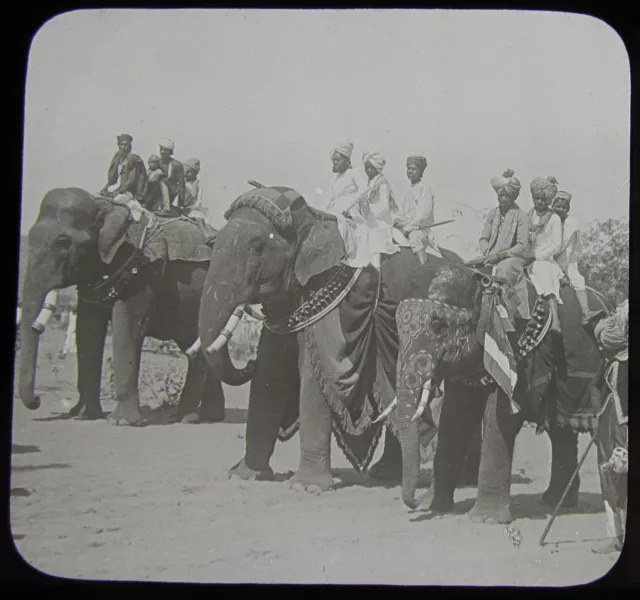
92, 501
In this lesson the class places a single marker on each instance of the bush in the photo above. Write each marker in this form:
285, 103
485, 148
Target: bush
605, 260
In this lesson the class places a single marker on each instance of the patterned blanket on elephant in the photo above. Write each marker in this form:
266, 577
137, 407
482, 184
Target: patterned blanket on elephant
172, 239
568, 364
355, 383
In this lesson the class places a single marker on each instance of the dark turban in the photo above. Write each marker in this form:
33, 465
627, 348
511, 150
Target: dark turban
419, 161
125, 137
507, 183
546, 187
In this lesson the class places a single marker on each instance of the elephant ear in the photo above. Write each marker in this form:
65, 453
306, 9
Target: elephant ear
111, 233
320, 245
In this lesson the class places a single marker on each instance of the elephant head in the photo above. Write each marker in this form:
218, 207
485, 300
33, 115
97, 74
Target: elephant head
272, 243
441, 337
74, 240
71, 237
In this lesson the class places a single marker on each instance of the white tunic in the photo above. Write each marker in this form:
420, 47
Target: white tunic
345, 190
544, 272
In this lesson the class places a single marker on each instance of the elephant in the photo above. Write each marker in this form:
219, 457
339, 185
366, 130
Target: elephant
133, 274
320, 363
451, 330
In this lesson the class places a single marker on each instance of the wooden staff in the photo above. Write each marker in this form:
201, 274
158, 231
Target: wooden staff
575, 474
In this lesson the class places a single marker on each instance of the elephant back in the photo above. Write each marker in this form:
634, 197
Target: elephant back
173, 239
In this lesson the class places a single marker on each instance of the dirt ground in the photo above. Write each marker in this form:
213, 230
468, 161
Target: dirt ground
92, 501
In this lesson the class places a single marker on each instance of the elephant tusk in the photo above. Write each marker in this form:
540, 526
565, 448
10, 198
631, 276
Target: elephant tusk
48, 308
192, 350
424, 399
18, 315
387, 411
227, 332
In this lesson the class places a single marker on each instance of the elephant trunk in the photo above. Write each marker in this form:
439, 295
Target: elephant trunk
38, 304
410, 446
412, 401
220, 311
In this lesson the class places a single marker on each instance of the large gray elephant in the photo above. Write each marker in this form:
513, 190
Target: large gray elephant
454, 330
147, 278
328, 351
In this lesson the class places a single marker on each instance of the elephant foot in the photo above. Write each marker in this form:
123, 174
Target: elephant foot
243, 472
126, 416
84, 413
314, 483
208, 416
550, 498
491, 515
387, 471
77, 409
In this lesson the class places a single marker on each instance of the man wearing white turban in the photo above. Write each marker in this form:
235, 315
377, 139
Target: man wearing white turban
347, 187
193, 190
377, 208
174, 177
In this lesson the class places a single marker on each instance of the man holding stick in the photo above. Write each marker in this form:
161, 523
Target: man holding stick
612, 335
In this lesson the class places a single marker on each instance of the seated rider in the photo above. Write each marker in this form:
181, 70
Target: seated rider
127, 176
571, 250
377, 208
157, 188
193, 190
174, 178
346, 189
416, 214
504, 238
545, 239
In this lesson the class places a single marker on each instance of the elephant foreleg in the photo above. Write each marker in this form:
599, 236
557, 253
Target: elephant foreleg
275, 389
460, 417
314, 471
212, 403
192, 390
494, 479
91, 333
130, 318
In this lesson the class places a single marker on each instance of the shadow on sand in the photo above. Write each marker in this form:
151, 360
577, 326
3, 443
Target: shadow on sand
349, 478
26, 468
20, 449
164, 414
523, 506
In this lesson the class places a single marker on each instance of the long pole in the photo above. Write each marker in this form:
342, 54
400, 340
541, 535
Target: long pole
575, 474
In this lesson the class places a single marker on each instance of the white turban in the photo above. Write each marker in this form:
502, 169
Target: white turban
376, 160
345, 148
167, 143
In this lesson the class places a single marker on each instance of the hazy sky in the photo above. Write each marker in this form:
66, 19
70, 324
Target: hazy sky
265, 95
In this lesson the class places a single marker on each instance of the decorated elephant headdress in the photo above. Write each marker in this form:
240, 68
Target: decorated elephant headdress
319, 244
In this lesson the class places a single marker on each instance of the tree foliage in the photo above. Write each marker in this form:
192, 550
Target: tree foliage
605, 260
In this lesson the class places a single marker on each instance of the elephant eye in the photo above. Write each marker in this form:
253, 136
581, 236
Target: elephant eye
256, 247
438, 325
64, 243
